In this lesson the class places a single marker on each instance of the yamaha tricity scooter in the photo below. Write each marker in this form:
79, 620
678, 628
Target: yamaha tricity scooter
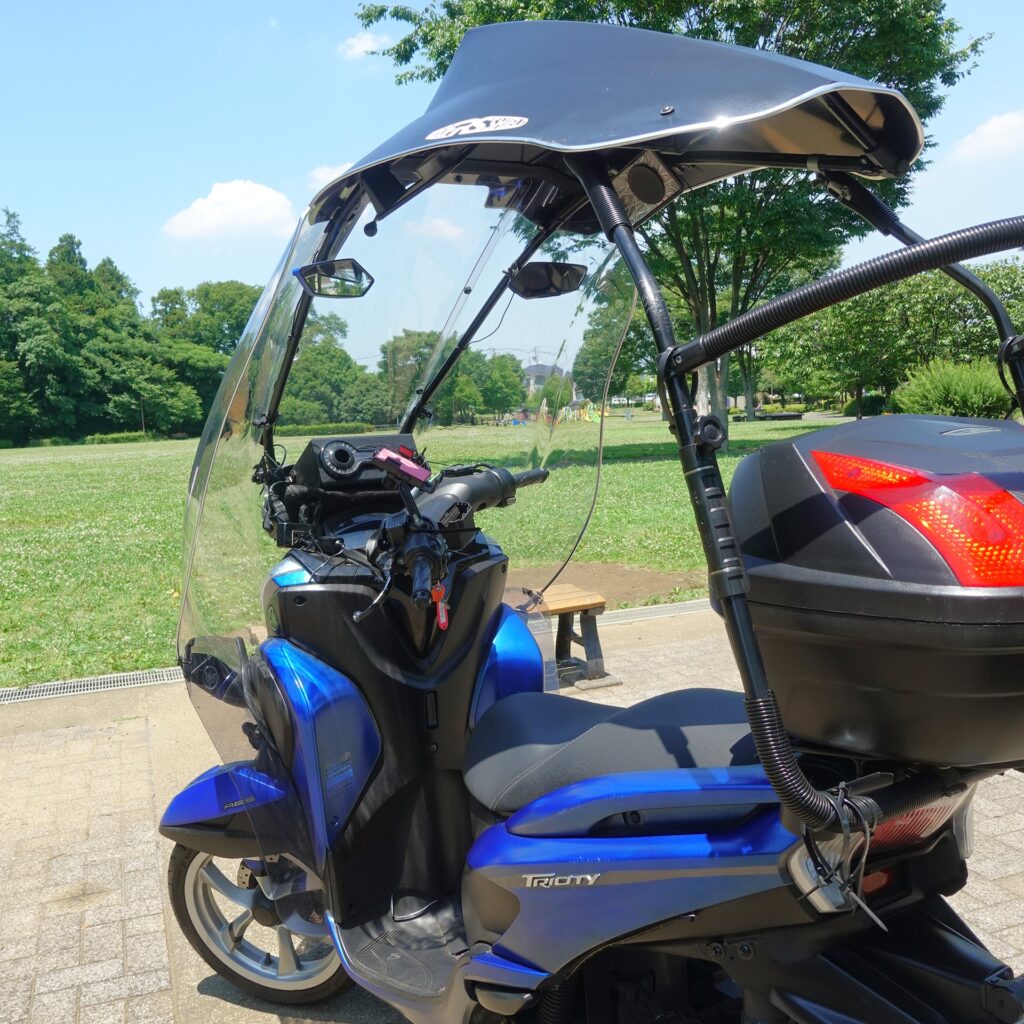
404, 803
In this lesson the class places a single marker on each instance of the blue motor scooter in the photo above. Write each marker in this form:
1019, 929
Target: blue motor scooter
403, 802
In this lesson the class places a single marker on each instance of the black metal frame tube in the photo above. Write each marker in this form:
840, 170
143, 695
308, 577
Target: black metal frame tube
859, 198
469, 333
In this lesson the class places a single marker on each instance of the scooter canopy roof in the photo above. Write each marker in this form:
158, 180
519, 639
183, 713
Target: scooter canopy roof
520, 95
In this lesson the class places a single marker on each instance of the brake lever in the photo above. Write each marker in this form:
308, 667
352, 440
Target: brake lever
366, 612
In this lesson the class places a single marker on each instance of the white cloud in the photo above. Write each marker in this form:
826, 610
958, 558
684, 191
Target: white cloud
361, 44
272, 23
436, 227
999, 136
325, 174
235, 208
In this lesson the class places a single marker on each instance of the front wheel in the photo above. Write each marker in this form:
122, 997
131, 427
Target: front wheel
241, 935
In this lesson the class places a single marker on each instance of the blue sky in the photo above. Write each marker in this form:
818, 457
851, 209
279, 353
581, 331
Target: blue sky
184, 139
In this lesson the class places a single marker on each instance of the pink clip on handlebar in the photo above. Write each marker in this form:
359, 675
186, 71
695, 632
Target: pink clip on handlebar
401, 468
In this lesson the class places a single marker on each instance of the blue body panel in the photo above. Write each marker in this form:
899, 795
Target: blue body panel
336, 739
288, 573
514, 664
576, 893
222, 790
293, 578
691, 792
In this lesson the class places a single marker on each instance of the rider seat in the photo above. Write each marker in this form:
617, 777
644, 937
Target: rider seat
529, 744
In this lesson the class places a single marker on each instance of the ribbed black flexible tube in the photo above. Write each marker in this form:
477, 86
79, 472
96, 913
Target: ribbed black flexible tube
965, 244
775, 752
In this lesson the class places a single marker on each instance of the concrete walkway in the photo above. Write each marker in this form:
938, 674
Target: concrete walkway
87, 935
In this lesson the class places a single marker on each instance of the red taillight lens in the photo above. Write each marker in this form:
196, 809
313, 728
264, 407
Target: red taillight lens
915, 827
976, 526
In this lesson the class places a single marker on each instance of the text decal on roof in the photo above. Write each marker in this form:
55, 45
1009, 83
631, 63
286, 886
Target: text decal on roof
476, 125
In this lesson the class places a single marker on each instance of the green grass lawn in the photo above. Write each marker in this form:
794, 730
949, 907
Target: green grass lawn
90, 537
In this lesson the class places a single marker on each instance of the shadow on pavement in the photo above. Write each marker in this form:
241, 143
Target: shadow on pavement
353, 1007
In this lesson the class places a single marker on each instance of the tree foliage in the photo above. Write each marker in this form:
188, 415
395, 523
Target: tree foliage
78, 357
875, 341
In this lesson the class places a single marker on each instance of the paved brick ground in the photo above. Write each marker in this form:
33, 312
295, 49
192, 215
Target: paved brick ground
86, 935
81, 917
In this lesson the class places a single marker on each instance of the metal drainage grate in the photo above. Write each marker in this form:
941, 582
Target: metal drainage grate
92, 684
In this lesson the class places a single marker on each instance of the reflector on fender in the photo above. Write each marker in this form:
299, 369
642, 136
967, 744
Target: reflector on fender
975, 525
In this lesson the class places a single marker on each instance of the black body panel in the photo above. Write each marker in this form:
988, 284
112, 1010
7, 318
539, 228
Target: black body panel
870, 643
410, 674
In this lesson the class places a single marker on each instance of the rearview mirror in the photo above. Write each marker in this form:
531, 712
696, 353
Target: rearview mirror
334, 279
541, 280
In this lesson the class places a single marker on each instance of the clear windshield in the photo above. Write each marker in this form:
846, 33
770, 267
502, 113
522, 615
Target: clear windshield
526, 392
226, 549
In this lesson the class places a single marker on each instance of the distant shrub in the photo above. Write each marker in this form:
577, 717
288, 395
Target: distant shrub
49, 442
6, 442
942, 388
788, 407
321, 429
870, 405
124, 438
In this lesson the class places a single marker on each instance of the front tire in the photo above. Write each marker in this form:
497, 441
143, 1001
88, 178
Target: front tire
216, 916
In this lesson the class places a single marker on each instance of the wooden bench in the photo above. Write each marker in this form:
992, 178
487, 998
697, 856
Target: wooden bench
566, 601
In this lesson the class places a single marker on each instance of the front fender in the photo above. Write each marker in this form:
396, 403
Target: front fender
213, 813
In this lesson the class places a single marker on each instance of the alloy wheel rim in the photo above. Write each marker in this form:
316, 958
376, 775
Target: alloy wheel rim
288, 966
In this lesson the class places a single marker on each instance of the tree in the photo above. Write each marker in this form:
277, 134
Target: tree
944, 320
466, 398
602, 334
322, 371
874, 341
38, 332
503, 389
851, 348
170, 311
17, 257
213, 313
67, 268
326, 385
640, 384
556, 393
221, 309
733, 244
197, 366
15, 403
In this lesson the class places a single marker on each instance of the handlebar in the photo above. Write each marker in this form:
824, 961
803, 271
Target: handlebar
423, 552
486, 487
529, 477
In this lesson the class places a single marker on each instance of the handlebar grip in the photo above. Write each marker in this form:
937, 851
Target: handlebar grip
529, 477
421, 571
